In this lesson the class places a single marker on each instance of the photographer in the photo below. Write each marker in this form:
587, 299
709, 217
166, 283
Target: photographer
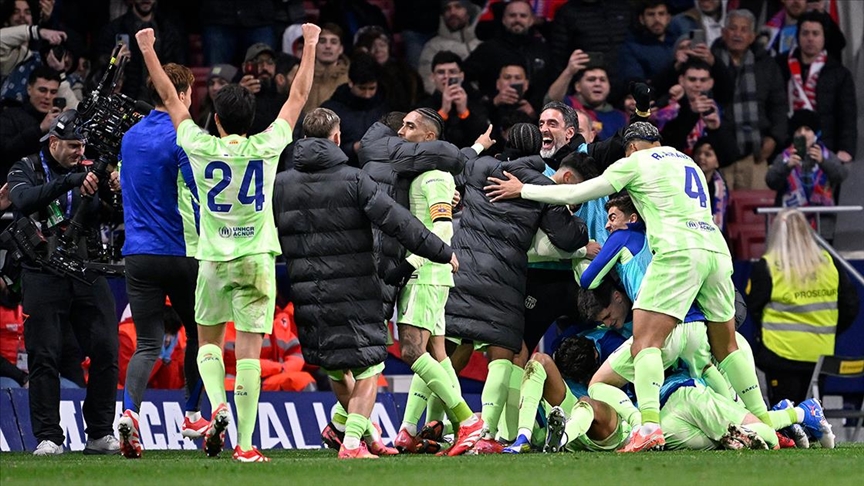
51, 186
160, 243
807, 173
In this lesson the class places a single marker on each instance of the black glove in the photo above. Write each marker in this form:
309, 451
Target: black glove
76, 179
399, 275
642, 94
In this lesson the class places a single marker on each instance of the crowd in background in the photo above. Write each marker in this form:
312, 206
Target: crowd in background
756, 104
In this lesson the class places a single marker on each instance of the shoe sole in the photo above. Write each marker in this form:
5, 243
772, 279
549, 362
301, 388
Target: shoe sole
214, 443
125, 432
556, 423
748, 439
434, 431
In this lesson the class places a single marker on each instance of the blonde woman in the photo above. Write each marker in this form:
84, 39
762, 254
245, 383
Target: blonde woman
799, 299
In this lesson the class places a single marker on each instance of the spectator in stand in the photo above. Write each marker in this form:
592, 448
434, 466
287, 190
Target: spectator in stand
692, 114
455, 34
706, 157
515, 44
229, 26
509, 97
591, 88
458, 103
759, 104
707, 15
167, 373
399, 83
782, 29
649, 47
800, 300
490, 17
143, 14
810, 178
359, 102
590, 25
351, 16
220, 75
21, 127
417, 20
331, 66
259, 69
818, 82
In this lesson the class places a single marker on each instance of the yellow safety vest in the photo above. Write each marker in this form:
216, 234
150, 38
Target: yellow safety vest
800, 321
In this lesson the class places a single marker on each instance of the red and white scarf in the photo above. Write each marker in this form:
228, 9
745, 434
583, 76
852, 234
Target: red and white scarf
802, 94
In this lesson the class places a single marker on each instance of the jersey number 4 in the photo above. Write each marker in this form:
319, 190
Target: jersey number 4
254, 174
693, 186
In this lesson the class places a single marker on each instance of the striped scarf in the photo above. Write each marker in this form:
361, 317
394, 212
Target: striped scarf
720, 201
802, 94
745, 107
807, 188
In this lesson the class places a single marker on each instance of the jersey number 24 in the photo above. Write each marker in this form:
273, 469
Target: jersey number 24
693, 186
254, 174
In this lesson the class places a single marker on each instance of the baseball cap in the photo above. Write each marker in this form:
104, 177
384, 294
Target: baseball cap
224, 71
256, 49
642, 131
64, 127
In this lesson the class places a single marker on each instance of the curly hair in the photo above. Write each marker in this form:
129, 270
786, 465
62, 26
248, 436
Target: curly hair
577, 359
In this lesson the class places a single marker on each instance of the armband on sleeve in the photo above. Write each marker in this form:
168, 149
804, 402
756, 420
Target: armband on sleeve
441, 212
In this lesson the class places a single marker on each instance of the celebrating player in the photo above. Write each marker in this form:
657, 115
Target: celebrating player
691, 263
238, 244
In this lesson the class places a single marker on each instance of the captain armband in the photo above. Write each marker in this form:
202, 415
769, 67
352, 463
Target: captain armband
441, 212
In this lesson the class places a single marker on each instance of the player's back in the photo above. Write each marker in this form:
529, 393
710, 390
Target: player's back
670, 193
234, 176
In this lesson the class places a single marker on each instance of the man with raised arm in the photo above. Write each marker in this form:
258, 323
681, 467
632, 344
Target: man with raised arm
238, 239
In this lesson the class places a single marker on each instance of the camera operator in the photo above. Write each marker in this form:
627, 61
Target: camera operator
49, 186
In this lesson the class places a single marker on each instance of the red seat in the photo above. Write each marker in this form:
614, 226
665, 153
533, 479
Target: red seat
744, 203
196, 50
748, 241
199, 88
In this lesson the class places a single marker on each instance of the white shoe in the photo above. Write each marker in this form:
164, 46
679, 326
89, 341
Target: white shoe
48, 448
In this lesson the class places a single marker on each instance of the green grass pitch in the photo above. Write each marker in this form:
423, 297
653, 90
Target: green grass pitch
815, 467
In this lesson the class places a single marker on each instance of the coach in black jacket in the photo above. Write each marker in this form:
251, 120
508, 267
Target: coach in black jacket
324, 213
486, 304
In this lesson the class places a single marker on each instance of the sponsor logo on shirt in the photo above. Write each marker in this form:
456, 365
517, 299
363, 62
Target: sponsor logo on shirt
701, 226
237, 232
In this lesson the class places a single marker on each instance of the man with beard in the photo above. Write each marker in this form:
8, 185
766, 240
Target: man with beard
259, 69
143, 14
649, 48
455, 34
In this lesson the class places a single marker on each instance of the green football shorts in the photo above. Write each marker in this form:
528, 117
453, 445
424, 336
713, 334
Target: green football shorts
242, 290
422, 306
675, 280
695, 417
688, 342
358, 373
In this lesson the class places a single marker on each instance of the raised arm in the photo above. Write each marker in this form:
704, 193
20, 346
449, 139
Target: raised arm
176, 109
303, 81
511, 188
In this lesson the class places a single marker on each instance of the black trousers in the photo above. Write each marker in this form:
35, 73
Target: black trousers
791, 384
550, 294
51, 302
149, 278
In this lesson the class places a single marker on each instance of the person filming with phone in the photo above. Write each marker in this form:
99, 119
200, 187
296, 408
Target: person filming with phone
806, 173
511, 85
459, 105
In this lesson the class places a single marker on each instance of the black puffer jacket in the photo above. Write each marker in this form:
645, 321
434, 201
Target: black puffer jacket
492, 242
324, 213
393, 163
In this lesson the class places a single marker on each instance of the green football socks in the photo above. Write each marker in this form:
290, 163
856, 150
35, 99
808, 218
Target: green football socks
581, 418
440, 383
494, 394
247, 389
418, 396
742, 376
212, 370
531, 394
618, 400
648, 371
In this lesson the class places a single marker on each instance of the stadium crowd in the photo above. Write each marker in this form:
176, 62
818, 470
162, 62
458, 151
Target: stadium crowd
391, 186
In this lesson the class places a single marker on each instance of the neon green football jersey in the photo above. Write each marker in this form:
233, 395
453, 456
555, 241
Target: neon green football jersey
670, 192
234, 176
431, 194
